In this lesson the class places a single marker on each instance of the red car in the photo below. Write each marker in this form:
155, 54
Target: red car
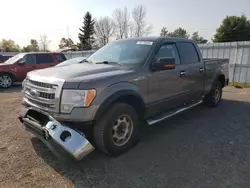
16, 68
4, 58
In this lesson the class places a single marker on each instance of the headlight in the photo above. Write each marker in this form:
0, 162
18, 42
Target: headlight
76, 98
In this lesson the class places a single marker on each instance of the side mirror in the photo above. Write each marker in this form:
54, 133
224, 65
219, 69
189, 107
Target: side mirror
164, 64
22, 62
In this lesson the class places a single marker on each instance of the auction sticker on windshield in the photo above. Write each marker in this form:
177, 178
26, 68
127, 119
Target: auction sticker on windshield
145, 42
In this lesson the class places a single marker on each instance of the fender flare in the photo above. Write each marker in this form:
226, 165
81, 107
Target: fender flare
114, 97
216, 78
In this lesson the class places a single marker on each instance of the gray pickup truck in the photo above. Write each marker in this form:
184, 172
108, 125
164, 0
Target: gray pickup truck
101, 102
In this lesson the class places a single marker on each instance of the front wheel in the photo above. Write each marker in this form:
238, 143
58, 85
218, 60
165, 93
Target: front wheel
117, 131
6, 81
214, 97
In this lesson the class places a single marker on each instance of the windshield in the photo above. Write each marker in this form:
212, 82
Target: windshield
71, 61
123, 51
14, 59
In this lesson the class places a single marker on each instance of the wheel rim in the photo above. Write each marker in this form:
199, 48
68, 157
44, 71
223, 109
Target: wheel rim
5, 81
217, 95
122, 130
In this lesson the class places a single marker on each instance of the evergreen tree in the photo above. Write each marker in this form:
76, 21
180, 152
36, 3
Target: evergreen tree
233, 28
86, 36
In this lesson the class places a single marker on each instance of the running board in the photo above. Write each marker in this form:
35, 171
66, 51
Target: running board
162, 117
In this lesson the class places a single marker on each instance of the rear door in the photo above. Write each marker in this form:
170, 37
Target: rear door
44, 61
192, 73
165, 85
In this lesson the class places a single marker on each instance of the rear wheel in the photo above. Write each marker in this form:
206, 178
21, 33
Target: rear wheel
118, 130
214, 97
6, 80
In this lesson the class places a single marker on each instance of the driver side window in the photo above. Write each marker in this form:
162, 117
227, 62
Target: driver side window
30, 59
168, 51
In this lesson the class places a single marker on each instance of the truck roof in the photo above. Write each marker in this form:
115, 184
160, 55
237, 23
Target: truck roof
154, 38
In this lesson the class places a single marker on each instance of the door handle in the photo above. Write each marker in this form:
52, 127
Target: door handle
182, 73
201, 69
33, 66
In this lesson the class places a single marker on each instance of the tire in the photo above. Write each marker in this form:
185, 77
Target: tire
106, 129
213, 98
6, 80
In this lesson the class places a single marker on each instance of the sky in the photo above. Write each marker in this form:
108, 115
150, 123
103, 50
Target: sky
22, 20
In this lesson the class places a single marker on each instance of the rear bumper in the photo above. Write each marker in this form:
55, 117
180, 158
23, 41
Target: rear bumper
59, 138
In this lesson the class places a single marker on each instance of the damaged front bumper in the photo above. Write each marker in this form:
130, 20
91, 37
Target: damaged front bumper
58, 137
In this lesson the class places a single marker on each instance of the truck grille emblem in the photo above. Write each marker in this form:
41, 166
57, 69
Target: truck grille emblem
33, 92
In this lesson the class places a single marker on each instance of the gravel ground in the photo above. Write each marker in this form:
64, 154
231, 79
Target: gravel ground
204, 147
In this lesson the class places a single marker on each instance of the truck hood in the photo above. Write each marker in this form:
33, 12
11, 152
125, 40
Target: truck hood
6, 67
77, 70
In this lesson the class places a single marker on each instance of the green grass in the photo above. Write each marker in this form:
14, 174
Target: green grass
238, 84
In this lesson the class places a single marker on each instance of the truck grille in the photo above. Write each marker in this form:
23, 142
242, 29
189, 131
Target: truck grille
42, 95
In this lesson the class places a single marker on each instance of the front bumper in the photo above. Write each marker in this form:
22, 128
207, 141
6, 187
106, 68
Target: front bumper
58, 137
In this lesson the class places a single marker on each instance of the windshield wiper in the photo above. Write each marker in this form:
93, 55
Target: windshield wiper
109, 62
85, 61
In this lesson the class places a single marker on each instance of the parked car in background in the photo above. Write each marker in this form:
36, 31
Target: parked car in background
16, 68
71, 61
4, 58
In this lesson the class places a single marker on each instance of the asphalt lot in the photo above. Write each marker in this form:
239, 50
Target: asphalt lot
203, 148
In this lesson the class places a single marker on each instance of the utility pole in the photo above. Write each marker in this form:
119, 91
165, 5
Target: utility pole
67, 31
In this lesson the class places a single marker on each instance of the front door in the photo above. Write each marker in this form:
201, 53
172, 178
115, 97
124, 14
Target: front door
192, 74
27, 64
165, 85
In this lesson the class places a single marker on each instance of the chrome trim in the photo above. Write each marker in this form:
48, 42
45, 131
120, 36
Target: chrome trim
55, 88
75, 144
34, 105
154, 121
41, 89
40, 99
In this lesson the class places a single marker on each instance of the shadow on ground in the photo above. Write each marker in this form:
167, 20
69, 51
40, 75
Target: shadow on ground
13, 89
198, 148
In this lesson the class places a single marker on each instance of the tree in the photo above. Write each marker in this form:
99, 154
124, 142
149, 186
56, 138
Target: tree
121, 22
44, 42
9, 46
140, 25
198, 39
32, 47
86, 36
131, 29
233, 28
164, 32
104, 29
180, 32
66, 43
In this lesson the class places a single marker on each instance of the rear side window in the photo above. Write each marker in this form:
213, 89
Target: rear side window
1, 59
44, 58
60, 57
188, 52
